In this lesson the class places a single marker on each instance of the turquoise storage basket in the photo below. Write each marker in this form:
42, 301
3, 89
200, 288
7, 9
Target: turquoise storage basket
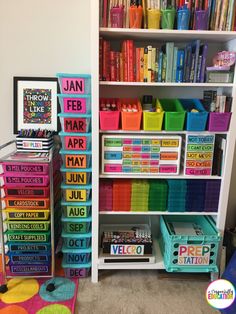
169, 243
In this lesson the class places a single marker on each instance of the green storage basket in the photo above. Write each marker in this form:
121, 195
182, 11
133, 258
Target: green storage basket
158, 193
174, 114
152, 121
139, 195
189, 253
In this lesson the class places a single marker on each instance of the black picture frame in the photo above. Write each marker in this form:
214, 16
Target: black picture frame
35, 103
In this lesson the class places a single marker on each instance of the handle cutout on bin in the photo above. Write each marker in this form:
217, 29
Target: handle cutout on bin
194, 242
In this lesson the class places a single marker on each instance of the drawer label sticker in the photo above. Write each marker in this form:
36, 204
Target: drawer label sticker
74, 105
76, 211
73, 85
32, 144
25, 168
124, 249
27, 215
30, 258
194, 255
201, 148
76, 227
76, 195
208, 139
76, 177
24, 180
76, 161
27, 192
27, 237
28, 247
75, 125
75, 258
199, 155
27, 226
76, 142
27, 203
29, 269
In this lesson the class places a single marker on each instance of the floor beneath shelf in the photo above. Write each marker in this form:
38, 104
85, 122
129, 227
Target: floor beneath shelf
143, 292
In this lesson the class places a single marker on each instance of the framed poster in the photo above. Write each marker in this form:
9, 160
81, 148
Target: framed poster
35, 103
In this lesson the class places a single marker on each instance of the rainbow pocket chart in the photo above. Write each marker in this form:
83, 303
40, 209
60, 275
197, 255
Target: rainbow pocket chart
141, 154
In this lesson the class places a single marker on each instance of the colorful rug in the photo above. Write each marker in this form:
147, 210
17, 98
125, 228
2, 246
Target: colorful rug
29, 296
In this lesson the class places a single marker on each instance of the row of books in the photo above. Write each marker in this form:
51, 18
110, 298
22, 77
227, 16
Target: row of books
216, 103
221, 14
152, 64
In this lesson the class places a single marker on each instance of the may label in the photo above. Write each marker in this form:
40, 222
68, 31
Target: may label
194, 255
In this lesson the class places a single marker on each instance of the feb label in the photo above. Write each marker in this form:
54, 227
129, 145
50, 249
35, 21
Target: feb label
194, 255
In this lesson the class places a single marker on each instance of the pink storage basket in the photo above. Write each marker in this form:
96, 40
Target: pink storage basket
109, 120
219, 121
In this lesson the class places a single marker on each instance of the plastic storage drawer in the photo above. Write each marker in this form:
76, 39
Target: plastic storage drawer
75, 123
76, 159
76, 210
75, 104
74, 83
189, 253
76, 241
76, 176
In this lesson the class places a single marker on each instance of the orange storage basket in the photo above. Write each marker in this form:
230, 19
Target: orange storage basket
131, 121
121, 195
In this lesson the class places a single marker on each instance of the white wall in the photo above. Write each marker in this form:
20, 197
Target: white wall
40, 38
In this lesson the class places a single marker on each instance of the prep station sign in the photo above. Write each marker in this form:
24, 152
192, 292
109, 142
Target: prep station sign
194, 255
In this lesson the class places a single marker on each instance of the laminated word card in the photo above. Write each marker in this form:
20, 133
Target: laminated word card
141, 154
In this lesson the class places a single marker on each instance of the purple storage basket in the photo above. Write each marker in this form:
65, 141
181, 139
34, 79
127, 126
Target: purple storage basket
212, 195
105, 195
219, 121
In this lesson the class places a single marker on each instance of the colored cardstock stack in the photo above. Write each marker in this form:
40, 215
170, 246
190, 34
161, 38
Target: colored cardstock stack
75, 117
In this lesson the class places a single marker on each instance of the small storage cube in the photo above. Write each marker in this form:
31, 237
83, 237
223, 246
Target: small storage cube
130, 118
75, 123
152, 121
74, 83
212, 195
79, 193
219, 121
76, 159
76, 225
23, 180
27, 225
76, 210
195, 120
105, 195
76, 271
76, 241
28, 203
22, 192
109, 120
28, 237
76, 176
121, 196
21, 214
75, 104
158, 192
76, 141
73, 256
189, 243
11, 168
174, 114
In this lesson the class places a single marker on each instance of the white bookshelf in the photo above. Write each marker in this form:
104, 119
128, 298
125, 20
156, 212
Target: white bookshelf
217, 41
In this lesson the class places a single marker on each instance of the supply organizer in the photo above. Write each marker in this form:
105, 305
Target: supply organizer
30, 189
75, 118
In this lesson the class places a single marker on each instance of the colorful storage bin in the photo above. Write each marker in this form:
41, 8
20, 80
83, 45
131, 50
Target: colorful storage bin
105, 195
174, 114
75, 104
76, 241
183, 252
76, 159
195, 196
74, 83
76, 270
131, 121
76, 141
195, 121
139, 195
152, 121
212, 194
176, 195
109, 120
76, 225
76, 210
121, 196
219, 121
158, 193
76, 176
78, 193
73, 256
75, 123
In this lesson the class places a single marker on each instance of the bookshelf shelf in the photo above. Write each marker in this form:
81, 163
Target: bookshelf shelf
155, 176
130, 84
159, 132
149, 213
160, 34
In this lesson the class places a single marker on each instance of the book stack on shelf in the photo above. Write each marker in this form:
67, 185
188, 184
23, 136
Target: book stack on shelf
167, 63
181, 14
75, 102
